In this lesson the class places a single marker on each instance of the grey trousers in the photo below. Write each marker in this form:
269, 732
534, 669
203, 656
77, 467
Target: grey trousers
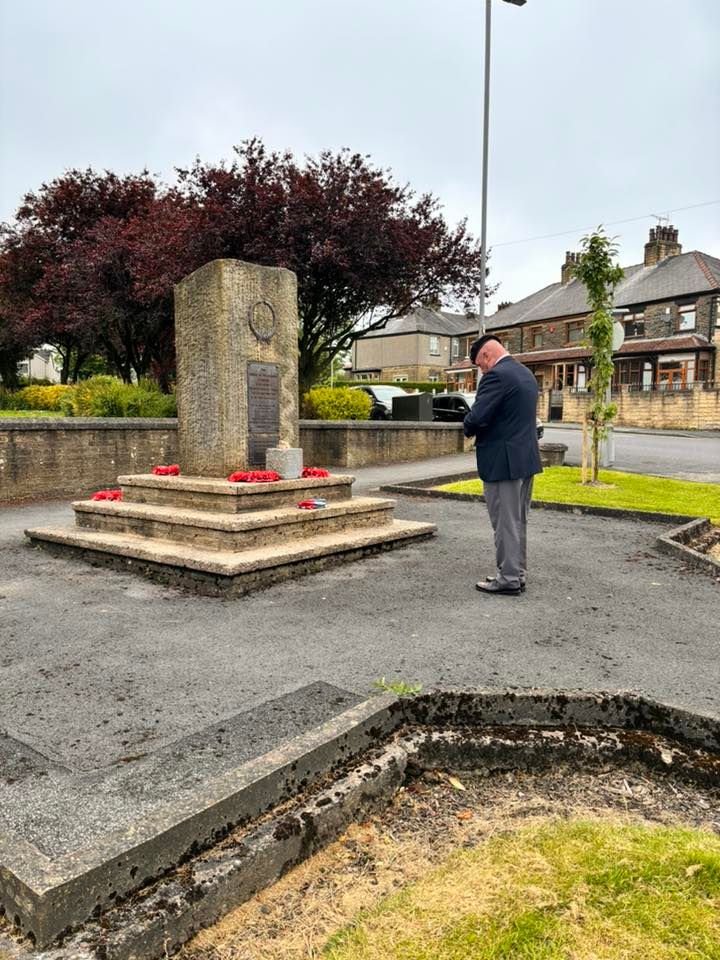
508, 503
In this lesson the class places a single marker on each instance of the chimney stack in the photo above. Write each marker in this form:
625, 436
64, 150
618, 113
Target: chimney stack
566, 271
663, 243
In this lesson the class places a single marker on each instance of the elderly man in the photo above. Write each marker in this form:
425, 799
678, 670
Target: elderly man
503, 422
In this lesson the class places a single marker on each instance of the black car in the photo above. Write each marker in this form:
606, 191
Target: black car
382, 398
454, 407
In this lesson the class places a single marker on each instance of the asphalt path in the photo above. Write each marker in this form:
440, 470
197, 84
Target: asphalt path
96, 664
688, 456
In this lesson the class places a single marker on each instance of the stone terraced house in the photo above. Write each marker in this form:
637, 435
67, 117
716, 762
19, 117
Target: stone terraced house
672, 327
666, 372
419, 346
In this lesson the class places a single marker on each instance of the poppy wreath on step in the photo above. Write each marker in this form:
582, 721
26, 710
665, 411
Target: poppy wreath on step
172, 470
107, 495
254, 476
310, 473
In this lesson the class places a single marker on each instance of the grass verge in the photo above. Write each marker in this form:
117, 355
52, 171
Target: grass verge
31, 413
623, 491
590, 890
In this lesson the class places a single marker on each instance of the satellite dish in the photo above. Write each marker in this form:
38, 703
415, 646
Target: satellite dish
618, 335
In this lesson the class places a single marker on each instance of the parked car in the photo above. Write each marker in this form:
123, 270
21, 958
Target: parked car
453, 408
382, 398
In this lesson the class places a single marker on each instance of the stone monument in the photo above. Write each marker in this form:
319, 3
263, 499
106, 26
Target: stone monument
237, 393
237, 366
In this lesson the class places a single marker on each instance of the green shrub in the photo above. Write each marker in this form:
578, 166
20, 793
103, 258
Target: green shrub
34, 382
105, 396
11, 400
329, 403
42, 397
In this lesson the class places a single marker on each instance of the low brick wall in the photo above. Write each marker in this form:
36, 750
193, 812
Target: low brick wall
72, 457
695, 409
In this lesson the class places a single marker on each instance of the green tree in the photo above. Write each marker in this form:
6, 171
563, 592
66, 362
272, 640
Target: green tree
598, 270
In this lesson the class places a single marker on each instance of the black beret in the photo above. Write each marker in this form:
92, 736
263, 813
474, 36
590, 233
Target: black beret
479, 344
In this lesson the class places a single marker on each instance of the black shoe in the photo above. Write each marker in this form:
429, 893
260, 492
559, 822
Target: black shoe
491, 587
494, 579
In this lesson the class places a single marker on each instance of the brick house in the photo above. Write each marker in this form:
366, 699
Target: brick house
672, 326
419, 346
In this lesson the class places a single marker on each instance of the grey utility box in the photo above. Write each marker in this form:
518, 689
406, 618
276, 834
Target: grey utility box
415, 406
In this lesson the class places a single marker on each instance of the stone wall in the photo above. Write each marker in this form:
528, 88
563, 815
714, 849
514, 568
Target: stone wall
696, 409
45, 458
73, 457
363, 443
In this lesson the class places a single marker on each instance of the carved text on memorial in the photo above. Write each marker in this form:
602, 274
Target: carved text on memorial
263, 406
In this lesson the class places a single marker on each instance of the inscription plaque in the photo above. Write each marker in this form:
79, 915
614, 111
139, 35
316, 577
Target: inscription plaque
263, 385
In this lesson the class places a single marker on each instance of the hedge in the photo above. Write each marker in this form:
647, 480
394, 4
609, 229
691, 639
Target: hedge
329, 403
42, 398
105, 396
424, 386
101, 396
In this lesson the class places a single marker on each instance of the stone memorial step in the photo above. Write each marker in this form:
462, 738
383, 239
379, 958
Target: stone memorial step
218, 495
223, 531
223, 572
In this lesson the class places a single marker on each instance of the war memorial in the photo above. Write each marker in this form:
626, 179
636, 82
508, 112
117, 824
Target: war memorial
237, 392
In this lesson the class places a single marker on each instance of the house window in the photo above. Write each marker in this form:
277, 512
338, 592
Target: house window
686, 317
402, 379
675, 374
628, 373
536, 337
455, 347
435, 346
634, 325
433, 378
575, 331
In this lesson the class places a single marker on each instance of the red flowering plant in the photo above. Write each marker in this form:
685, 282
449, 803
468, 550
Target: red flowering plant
254, 476
107, 495
172, 470
314, 472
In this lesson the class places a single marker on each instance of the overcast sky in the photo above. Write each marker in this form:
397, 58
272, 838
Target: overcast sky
601, 110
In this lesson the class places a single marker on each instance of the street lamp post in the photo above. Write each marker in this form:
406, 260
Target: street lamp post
486, 128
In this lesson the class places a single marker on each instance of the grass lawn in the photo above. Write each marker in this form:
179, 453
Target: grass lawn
586, 890
624, 491
30, 413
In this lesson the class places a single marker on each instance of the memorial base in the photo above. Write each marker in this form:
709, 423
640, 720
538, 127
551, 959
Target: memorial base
221, 539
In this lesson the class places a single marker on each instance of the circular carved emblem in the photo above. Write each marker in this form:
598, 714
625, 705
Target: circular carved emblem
262, 321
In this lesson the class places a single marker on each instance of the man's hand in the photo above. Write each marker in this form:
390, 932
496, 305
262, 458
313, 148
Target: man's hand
489, 396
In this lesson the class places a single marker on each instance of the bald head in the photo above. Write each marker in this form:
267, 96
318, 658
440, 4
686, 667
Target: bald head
489, 353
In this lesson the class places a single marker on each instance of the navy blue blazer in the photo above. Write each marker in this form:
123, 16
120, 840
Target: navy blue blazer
503, 421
